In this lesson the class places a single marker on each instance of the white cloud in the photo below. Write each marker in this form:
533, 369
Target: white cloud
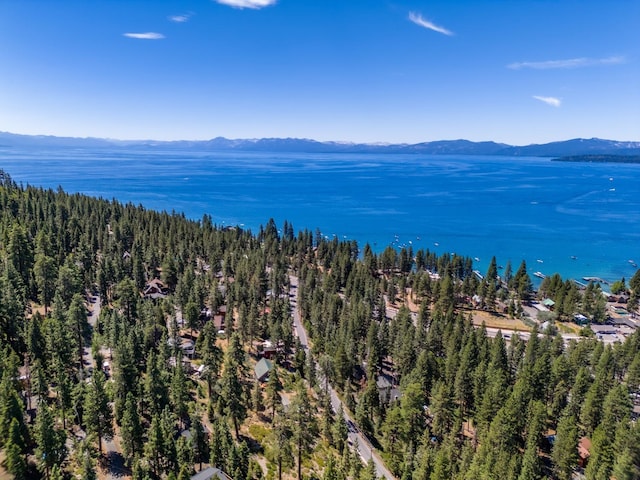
145, 36
568, 63
180, 18
553, 101
423, 22
247, 3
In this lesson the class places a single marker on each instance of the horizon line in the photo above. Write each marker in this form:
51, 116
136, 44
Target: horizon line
380, 143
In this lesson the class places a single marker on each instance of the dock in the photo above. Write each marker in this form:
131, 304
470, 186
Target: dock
596, 280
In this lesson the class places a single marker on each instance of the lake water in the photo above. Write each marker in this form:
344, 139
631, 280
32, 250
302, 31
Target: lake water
514, 208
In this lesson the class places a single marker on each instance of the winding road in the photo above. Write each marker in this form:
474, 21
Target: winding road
356, 437
114, 468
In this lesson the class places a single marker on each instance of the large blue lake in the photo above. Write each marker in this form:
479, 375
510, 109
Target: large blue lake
514, 208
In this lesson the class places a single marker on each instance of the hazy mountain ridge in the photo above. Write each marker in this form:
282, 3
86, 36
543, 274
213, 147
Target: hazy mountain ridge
578, 146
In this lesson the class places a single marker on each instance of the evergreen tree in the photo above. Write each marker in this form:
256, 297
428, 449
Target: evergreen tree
233, 390
50, 441
14, 446
155, 387
565, 447
303, 424
130, 429
10, 410
179, 393
20, 253
97, 411
63, 391
273, 391
281, 448
212, 356
257, 400
522, 283
340, 431
369, 472
199, 440
154, 447
45, 276
77, 324
56, 473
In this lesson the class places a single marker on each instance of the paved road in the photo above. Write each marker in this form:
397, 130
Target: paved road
115, 467
356, 437
507, 334
88, 362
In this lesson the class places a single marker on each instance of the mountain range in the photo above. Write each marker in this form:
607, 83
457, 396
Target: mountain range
578, 146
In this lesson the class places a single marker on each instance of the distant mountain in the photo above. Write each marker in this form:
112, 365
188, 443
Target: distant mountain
16, 140
578, 146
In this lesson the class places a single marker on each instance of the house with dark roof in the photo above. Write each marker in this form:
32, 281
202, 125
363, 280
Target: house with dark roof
262, 369
155, 289
580, 319
386, 390
268, 349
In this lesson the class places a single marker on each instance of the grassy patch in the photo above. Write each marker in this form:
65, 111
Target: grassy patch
258, 432
569, 327
492, 320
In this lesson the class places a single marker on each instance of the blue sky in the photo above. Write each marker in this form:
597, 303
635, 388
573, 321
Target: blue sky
514, 71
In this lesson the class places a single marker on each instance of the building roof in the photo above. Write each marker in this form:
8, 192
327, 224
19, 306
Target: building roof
210, 473
383, 382
584, 447
262, 369
547, 302
580, 318
218, 321
603, 329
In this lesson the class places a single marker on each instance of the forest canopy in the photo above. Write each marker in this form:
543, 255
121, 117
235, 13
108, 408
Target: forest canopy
129, 339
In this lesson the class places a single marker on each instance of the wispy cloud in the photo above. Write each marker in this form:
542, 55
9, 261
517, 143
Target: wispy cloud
418, 19
569, 63
181, 18
255, 4
145, 36
553, 101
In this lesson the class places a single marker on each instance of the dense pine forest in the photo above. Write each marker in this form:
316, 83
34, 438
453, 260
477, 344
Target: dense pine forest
147, 345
